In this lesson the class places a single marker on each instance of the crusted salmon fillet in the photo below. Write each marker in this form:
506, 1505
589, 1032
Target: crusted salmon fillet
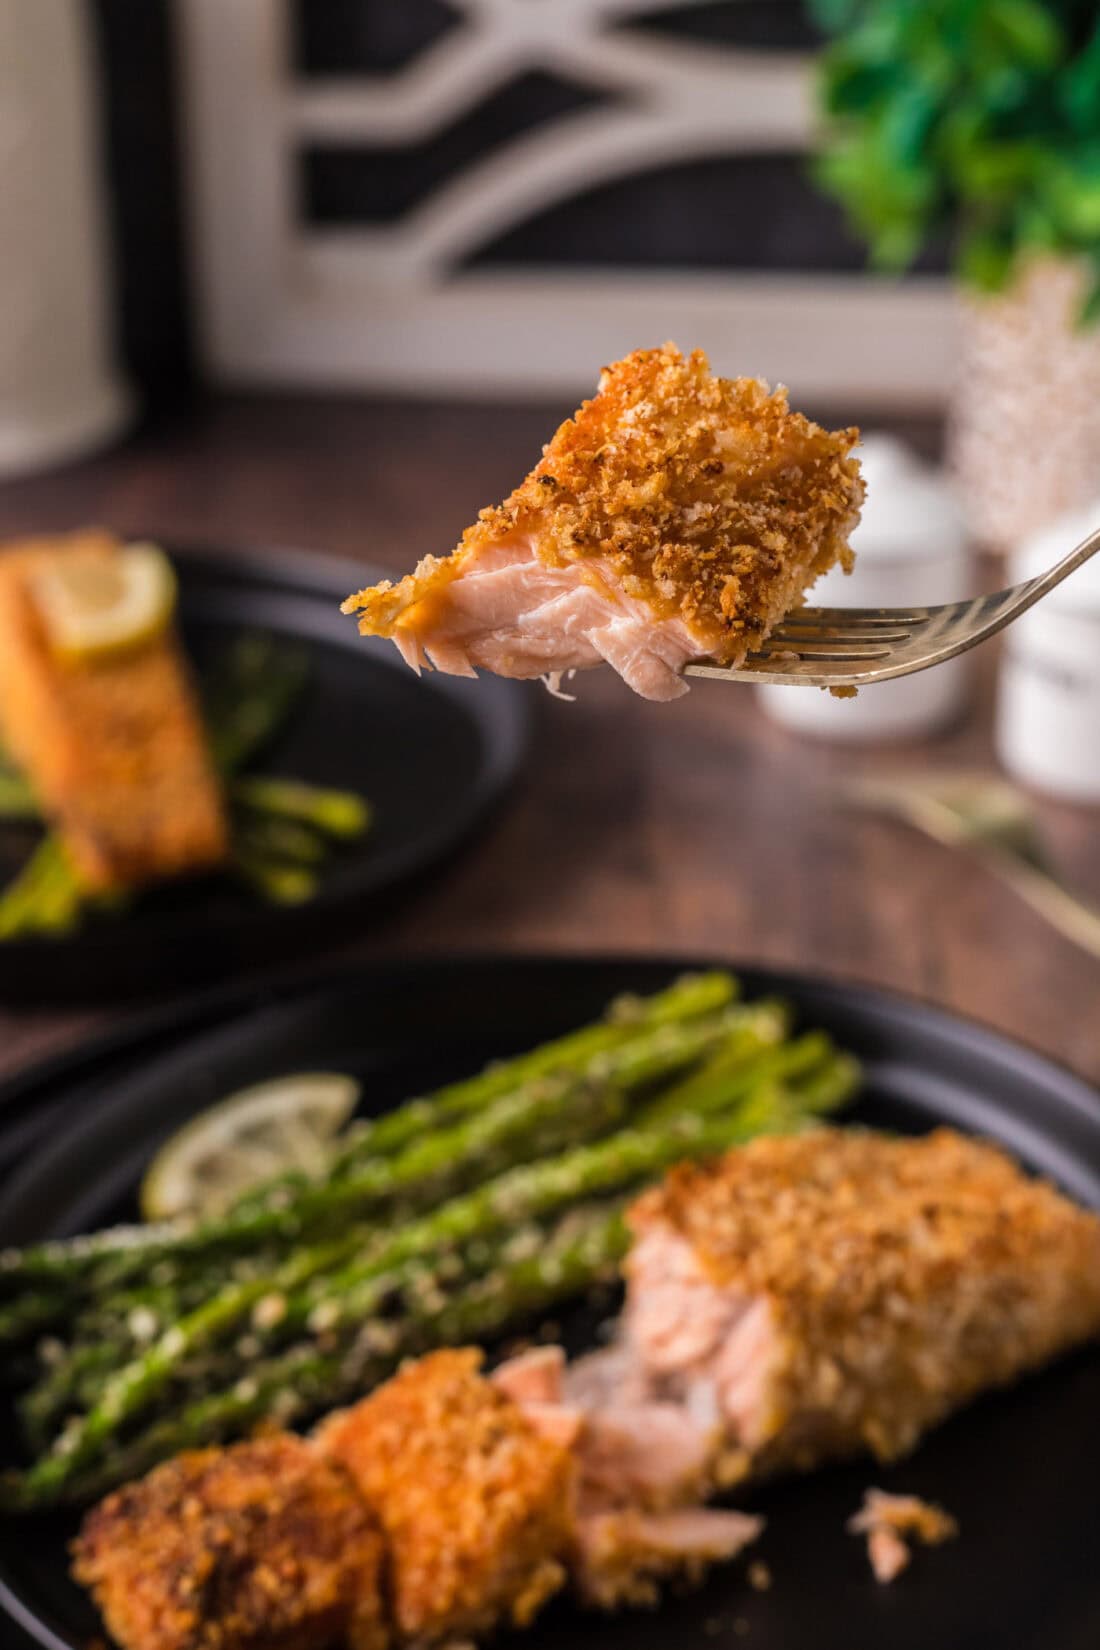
114, 747
474, 1502
837, 1292
263, 1546
676, 516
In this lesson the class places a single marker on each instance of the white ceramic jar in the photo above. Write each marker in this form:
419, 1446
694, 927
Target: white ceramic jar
60, 392
1048, 703
911, 550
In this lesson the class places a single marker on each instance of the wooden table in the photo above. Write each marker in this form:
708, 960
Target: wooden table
696, 828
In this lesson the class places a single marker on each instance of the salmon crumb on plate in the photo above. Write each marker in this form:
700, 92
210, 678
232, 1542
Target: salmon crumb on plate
676, 516
888, 1520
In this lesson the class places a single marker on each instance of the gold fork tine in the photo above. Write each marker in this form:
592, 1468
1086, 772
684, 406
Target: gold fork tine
817, 635
863, 618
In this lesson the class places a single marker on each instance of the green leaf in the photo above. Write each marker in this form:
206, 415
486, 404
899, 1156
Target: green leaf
894, 247
1090, 309
986, 259
1079, 90
992, 169
1029, 30
834, 15
906, 125
1034, 227
1073, 197
851, 87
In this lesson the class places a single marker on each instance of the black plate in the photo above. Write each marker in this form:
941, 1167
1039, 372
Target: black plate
432, 755
1019, 1470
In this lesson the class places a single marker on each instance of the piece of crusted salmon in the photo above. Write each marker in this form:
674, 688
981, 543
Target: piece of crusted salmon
263, 1546
676, 516
836, 1292
114, 747
475, 1502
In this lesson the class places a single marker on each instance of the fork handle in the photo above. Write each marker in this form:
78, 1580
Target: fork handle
1039, 586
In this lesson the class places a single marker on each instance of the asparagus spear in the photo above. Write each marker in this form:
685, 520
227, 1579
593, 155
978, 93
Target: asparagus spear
340, 814
526, 1193
273, 879
28, 1314
535, 1117
829, 1087
104, 1336
348, 1294
247, 696
538, 1115
284, 1207
531, 1192
17, 800
732, 1073
332, 1299
533, 1189
280, 839
690, 998
45, 896
283, 1215
304, 1380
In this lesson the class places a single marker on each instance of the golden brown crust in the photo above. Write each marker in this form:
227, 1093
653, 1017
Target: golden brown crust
265, 1546
705, 498
903, 1276
475, 1504
115, 749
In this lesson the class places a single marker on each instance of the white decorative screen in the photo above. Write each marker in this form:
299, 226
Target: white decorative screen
425, 224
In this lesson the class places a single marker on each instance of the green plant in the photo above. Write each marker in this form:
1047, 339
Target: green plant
978, 118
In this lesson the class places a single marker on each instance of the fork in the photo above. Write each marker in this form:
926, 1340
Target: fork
851, 647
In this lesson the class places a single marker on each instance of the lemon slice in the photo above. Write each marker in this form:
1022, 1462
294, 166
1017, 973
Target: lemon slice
286, 1124
98, 607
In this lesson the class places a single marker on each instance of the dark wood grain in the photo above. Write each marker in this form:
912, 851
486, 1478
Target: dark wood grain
696, 827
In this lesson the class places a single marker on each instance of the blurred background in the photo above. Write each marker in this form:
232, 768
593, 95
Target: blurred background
324, 274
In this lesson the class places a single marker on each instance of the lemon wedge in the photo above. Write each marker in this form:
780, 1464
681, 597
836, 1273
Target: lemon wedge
287, 1124
99, 607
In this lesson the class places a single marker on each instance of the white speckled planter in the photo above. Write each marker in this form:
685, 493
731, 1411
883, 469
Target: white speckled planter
1025, 412
60, 395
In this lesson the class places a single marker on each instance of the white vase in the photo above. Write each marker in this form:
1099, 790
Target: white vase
60, 394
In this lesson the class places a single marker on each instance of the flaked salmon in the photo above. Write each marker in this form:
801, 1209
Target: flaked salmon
676, 516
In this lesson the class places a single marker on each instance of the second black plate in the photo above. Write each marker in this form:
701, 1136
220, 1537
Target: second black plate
1019, 1470
432, 756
